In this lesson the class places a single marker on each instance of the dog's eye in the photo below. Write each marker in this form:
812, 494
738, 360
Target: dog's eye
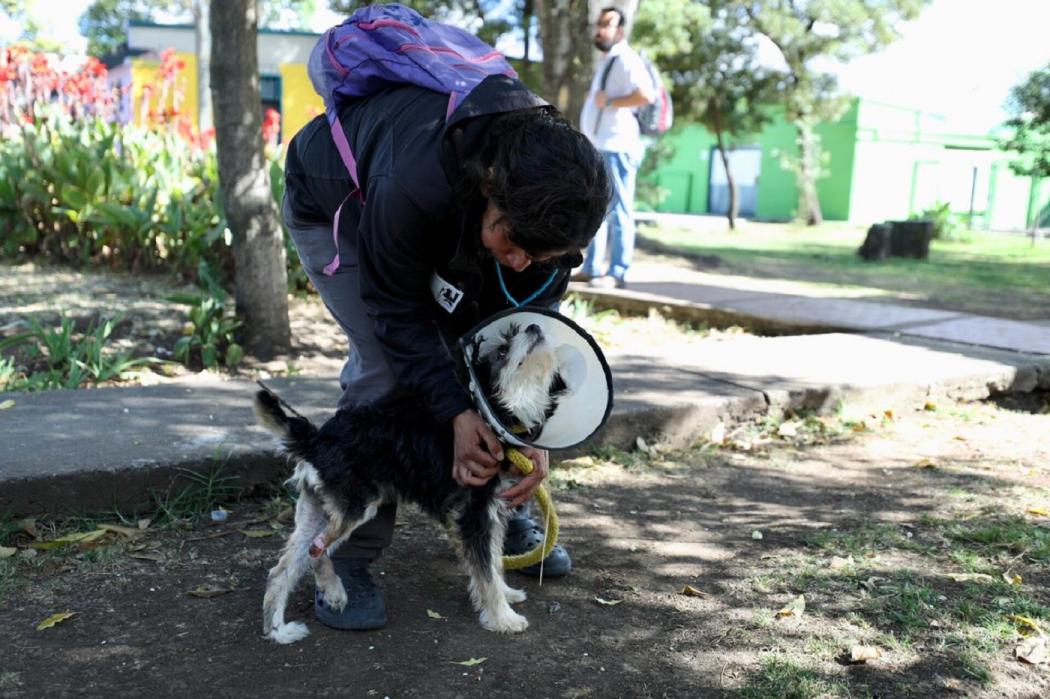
501, 353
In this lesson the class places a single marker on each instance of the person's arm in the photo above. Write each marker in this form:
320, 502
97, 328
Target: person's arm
637, 98
394, 244
395, 287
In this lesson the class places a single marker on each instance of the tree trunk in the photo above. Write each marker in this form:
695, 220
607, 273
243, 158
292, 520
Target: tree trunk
809, 167
258, 245
733, 204
565, 36
202, 26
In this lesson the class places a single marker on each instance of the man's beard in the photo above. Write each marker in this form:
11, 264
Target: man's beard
603, 45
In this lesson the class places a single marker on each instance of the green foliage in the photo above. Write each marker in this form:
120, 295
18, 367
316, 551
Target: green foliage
63, 358
946, 225
209, 338
195, 494
1029, 107
93, 192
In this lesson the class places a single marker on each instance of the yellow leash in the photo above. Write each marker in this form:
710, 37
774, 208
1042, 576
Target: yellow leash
543, 499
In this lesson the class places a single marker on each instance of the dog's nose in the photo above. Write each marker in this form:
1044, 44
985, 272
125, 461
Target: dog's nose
534, 330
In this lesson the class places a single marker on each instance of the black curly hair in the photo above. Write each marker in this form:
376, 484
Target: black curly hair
546, 178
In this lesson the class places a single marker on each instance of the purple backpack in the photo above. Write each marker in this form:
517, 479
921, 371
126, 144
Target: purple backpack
383, 45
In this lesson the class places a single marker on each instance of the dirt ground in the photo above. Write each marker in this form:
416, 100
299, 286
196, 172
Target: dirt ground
897, 532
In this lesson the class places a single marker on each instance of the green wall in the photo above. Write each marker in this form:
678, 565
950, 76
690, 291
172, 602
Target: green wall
686, 173
882, 162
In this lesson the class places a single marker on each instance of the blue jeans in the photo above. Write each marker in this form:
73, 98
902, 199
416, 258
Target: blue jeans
618, 233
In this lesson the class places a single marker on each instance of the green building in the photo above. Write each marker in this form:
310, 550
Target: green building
882, 162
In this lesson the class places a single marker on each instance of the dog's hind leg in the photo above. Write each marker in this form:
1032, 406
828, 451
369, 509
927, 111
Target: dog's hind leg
325, 577
481, 530
295, 559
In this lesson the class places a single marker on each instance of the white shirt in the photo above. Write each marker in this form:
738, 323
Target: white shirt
617, 129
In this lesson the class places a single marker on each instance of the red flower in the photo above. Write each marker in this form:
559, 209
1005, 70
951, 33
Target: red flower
271, 125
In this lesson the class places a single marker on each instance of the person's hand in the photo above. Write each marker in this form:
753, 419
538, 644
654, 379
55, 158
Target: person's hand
524, 489
601, 100
472, 465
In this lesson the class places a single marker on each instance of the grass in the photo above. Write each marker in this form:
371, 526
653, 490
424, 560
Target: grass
996, 274
781, 678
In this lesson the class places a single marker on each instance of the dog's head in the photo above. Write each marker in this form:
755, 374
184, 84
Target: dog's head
519, 374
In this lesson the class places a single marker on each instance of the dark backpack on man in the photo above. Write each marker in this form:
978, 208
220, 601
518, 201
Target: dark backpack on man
655, 118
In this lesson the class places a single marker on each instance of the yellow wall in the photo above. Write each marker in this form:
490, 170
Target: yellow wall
299, 102
144, 72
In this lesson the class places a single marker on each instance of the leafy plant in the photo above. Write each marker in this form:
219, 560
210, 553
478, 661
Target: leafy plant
61, 358
946, 225
210, 332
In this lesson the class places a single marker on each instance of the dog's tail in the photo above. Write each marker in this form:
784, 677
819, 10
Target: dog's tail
296, 432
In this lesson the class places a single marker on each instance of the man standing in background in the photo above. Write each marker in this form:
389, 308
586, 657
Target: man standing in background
621, 84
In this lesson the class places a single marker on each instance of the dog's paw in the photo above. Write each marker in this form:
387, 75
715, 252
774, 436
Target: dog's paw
288, 633
335, 595
514, 595
507, 621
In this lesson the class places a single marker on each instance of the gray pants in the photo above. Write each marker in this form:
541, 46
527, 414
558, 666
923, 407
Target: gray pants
367, 375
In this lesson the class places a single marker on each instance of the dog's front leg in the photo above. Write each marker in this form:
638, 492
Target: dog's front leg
481, 529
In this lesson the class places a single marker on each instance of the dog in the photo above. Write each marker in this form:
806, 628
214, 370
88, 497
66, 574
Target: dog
394, 450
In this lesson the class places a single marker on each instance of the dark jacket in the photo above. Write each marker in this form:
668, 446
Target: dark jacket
413, 224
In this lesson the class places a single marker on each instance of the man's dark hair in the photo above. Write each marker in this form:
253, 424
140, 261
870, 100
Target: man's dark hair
619, 13
546, 178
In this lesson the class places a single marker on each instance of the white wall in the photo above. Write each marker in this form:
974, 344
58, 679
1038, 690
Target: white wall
274, 48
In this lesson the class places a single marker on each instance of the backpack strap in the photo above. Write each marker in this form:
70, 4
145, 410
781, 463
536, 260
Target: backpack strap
605, 79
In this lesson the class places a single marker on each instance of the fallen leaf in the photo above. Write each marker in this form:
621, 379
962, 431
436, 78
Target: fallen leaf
256, 533
29, 527
1038, 511
147, 556
959, 438
123, 531
75, 538
838, 562
144, 523
54, 619
788, 429
608, 602
641, 445
207, 591
930, 406
1032, 650
7, 404
756, 535
862, 654
925, 463
469, 663
1027, 624
7, 551
1011, 578
795, 608
859, 426
971, 577
690, 591
888, 414
434, 615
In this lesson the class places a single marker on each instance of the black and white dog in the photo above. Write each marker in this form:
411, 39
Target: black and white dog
394, 450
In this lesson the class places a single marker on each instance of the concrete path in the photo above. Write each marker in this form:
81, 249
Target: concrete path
768, 304
121, 447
